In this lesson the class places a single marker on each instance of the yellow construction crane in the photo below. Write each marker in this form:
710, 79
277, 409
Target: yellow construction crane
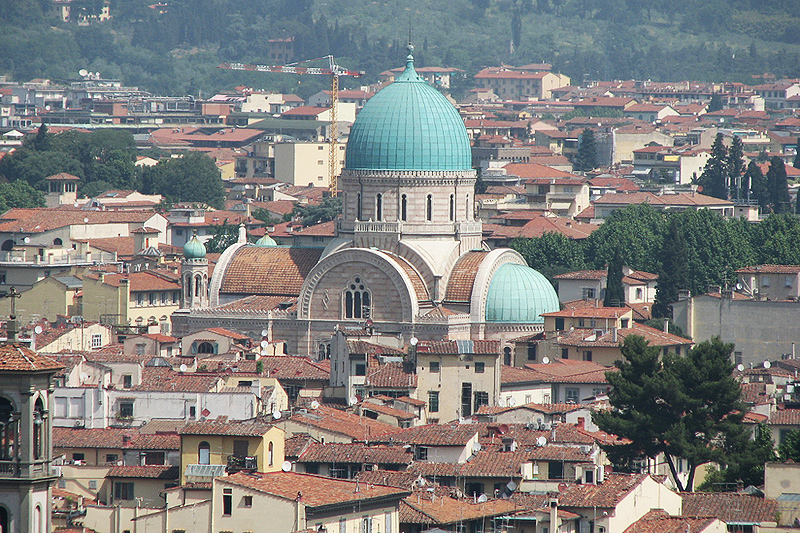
334, 71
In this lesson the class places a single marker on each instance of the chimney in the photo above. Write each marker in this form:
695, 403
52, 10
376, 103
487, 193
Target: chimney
666, 325
614, 335
554, 525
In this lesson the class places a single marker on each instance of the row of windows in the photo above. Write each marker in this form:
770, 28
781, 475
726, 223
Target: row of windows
480, 367
404, 207
468, 400
144, 299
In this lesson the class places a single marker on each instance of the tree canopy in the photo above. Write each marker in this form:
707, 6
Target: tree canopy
682, 407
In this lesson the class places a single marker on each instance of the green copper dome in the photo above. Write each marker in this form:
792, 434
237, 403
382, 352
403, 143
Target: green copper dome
408, 125
194, 249
519, 294
266, 242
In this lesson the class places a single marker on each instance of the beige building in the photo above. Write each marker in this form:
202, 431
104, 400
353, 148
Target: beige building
306, 163
48, 298
782, 483
770, 282
145, 299
456, 378
514, 84
83, 337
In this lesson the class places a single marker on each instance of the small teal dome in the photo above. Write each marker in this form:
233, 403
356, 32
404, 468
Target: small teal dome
266, 242
519, 294
408, 125
194, 249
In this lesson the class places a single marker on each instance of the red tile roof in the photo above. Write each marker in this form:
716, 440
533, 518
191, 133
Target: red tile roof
605, 495
538, 226
39, 220
222, 426
658, 521
387, 410
18, 358
129, 438
590, 312
730, 507
358, 428
433, 435
421, 508
313, 491
770, 269
462, 277
356, 453
152, 472
677, 199
480, 347
163, 379
269, 271
537, 170
785, 417
391, 375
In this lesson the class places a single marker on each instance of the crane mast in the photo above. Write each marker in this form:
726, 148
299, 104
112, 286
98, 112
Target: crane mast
334, 71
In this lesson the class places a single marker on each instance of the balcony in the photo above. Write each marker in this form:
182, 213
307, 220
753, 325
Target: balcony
236, 463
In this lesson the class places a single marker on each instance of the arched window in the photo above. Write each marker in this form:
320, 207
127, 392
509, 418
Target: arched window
358, 206
507, 356
357, 300
9, 430
404, 207
452, 207
38, 429
205, 347
188, 285
270, 454
57, 242
198, 280
7, 245
38, 523
204, 453
379, 207
429, 208
467, 210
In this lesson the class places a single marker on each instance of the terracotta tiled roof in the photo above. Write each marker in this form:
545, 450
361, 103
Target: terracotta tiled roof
730, 507
129, 438
655, 337
295, 445
249, 428
259, 303
152, 472
168, 380
45, 219
605, 495
63, 176
228, 333
537, 170
590, 312
583, 275
388, 411
269, 271
18, 358
421, 509
678, 199
481, 347
358, 428
369, 348
391, 375
356, 453
620, 184
433, 435
314, 491
390, 478
658, 521
785, 417
462, 277
770, 269
291, 367
158, 337
569, 371
540, 225
754, 393
411, 401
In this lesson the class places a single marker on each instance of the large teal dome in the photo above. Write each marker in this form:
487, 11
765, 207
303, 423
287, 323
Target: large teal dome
408, 125
519, 294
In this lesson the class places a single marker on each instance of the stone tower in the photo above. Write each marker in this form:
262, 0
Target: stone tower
194, 275
26, 450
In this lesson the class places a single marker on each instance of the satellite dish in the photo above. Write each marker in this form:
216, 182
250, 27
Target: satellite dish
546, 360
512, 402
767, 364
26, 240
368, 323
740, 367
84, 376
352, 400
482, 498
502, 429
476, 447
286, 466
276, 414
83, 72
38, 330
541, 441
511, 486
264, 332
314, 404
739, 286
184, 368
85, 220
413, 341
264, 344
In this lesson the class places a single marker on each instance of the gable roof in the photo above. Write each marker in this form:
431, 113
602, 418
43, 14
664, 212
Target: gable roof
729, 507
658, 521
18, 358
605, 495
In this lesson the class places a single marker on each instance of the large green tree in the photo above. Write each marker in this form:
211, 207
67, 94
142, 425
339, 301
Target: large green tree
682, 407
674, 273
615, 290
191, 178
777, 186
551, 254
586, 158
714, 178
735, 166
636, 232
329, 209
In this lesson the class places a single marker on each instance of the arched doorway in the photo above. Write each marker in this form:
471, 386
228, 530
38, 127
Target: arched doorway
7, 245
5, 525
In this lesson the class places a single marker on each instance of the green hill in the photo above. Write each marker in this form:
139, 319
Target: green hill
173, 47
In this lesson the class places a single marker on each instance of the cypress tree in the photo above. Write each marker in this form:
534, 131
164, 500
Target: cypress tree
778, 186
615, 291
715, 174
674, 273
586, 159
735, 167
